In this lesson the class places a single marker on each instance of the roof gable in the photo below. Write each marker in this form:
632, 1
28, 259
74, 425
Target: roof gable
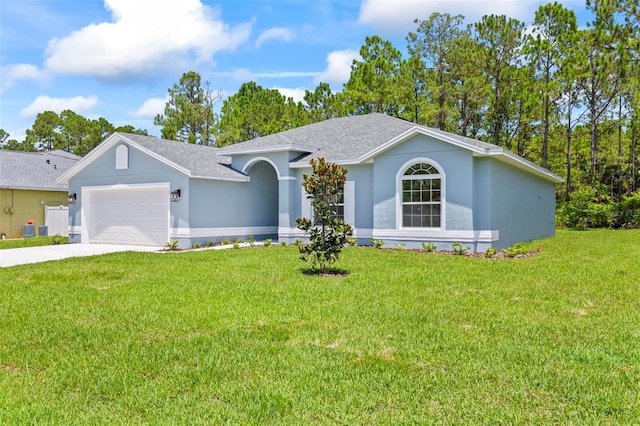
192, 160
358, 139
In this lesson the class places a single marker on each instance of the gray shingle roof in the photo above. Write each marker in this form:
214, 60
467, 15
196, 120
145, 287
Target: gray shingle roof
338, 139
344, 140
198, 160
355, 139
35, 170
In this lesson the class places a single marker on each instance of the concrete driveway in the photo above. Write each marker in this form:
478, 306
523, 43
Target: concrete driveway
21, 256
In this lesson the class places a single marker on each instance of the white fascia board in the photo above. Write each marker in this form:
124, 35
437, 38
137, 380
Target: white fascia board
523, 164
105, 146
158, 157
88, 159
224, 178
299, 165
414, 131
260, 150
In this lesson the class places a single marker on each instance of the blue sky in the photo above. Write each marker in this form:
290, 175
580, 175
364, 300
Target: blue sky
117, 58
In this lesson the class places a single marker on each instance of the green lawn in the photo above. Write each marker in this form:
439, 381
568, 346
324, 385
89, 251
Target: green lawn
244, 337
33, 242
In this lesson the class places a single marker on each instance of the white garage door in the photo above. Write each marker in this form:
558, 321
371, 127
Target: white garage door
129, 215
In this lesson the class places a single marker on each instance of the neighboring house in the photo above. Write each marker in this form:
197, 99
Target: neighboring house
28, 191
405, 184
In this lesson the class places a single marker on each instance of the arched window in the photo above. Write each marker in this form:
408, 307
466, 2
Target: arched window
421, 196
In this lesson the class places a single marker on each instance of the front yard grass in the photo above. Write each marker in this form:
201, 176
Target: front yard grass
244, 337
33, 242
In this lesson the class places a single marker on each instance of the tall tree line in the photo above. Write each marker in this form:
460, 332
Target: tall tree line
564, 97
66, 131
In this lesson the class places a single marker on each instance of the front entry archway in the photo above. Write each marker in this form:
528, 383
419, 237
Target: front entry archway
264, 193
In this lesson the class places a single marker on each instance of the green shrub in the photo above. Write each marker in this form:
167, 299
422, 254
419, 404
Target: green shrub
252, 241
376, 243
352, 242
267, 242
171, 245
57, 240
514, 250
429, 247
459, 250
225, 242
197, 245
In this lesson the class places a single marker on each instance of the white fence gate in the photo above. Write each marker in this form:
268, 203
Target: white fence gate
57, 220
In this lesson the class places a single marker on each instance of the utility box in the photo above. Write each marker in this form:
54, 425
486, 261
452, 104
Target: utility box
29, 231
43, 231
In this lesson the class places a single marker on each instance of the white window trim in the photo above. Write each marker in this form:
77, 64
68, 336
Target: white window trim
122, 157
443, 192
349, 203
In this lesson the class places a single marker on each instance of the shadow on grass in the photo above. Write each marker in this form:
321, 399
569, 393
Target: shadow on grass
333, 272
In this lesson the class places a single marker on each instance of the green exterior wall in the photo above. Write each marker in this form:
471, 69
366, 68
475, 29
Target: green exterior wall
17, 206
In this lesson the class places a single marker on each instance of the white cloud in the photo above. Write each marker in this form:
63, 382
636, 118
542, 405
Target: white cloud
243, 74
396, 17
275, 34
297, 94
152, 107
338, 67
11, 74
144, 35
79, 104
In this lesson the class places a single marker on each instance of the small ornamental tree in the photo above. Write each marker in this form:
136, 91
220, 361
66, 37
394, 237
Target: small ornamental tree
328, 233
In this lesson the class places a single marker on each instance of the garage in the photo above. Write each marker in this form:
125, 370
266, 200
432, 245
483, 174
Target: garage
136, 214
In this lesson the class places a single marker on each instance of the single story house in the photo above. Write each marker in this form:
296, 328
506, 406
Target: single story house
406, 183
29, 191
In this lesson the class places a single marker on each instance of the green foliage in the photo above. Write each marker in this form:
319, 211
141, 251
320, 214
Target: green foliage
429, 247
66, 131
210, 243
490, 252
188, 114
283, 243
197, 245
515, 250
376, 243
459, 249
254, 111
225, 242
373, 84
267, 242
33, 242
587, 209
252, 241
236, 243
328, 234
352, 242
297, 242
171, 245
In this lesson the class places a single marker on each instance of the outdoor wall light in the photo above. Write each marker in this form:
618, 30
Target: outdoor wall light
175, 195
71, 198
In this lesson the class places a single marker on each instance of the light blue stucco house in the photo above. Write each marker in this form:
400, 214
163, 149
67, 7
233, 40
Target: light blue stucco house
406, 184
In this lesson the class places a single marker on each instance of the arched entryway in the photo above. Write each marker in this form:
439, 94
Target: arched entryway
263, 191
